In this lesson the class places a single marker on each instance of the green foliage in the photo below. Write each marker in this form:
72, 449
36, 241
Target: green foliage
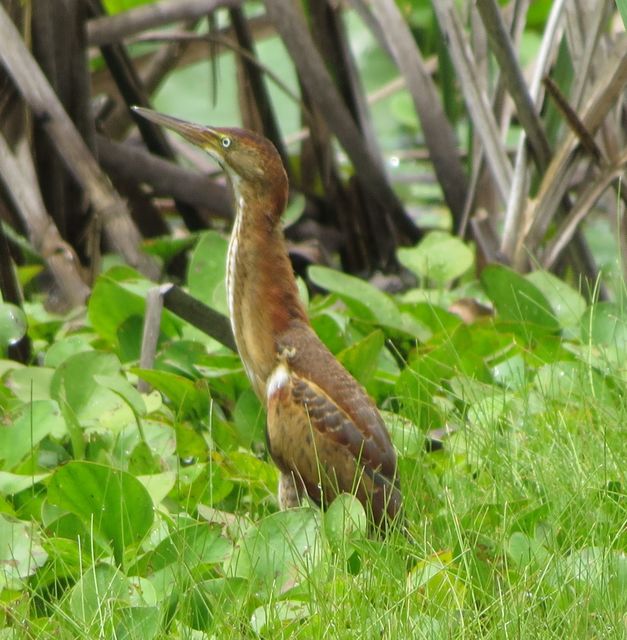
112, 502
206, 271
440, 258
518, 300
150, 515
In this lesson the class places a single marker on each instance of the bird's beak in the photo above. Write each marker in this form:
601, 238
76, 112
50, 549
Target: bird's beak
204, 137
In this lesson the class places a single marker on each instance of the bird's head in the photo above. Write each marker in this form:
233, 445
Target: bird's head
242, 154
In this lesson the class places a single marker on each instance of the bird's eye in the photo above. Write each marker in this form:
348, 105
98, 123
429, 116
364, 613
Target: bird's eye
226, 142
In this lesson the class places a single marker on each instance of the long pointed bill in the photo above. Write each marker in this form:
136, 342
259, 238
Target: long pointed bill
197, 134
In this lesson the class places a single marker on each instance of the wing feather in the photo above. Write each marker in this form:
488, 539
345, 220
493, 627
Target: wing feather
317, 439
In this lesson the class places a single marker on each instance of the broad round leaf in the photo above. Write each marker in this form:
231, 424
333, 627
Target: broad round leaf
439, 256
78, 383
345, 519
30, 383
408, 439
114, 502
518, 300
526, 552
62, 349
279, 549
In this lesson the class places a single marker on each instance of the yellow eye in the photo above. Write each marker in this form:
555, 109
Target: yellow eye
226, 142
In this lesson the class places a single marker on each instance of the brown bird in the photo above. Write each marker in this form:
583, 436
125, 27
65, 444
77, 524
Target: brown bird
324, 433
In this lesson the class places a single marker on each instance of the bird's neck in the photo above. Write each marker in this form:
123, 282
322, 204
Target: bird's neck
261, 288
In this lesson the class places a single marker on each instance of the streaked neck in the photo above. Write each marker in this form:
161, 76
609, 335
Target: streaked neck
262, 293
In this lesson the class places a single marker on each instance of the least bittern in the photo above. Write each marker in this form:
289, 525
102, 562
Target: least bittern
324, 433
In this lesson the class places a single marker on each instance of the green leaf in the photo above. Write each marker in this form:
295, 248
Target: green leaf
436, 579
207, 271
117, 6
345, 519
249, 418
525, 551
158, 485
190, 546
588, 565
30, 383
365, 301
362, 357
279, 619
20, 553
433, 319
404, 111
244, 466
518, 300
330, 327
167, 247
188, 397
137, 623
439, 257
294, 210
201, 483
408, 439
113, 502
511, 372
62, 349
218, 597
118, 295
567, 304
605, 324
11, 483
97, 592
574, 382
123, 388
279, 549
30, 424
76, 383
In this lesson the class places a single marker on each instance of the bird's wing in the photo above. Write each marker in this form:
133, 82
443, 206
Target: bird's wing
313, 437
365, 432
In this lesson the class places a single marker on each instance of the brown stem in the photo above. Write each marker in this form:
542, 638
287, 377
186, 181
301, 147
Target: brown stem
108, 29
120, 231
165, 178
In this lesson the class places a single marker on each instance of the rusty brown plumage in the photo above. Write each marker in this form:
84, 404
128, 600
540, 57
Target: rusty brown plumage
324, 433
